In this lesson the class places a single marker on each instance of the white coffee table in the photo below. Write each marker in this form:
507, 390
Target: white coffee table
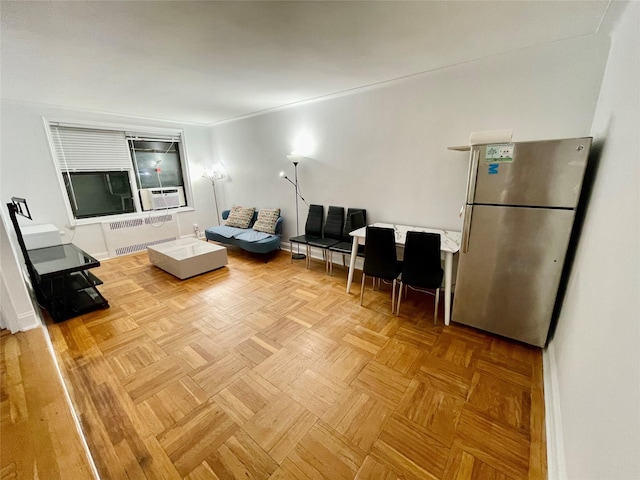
187, 257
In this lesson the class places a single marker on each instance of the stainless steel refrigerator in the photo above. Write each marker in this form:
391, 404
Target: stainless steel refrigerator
519, 214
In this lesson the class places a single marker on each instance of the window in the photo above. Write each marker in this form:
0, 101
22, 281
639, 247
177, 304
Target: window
112, 172
157, 164
94, 194
158, 173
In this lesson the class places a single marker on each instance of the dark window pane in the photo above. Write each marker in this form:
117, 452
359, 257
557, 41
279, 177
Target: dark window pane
94, 194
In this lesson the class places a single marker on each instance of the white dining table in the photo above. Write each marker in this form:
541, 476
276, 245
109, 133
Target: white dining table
449, 245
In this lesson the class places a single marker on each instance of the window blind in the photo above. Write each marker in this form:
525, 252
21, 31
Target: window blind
153, 137
90, 150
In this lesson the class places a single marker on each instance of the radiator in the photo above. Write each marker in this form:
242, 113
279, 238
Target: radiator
129, 236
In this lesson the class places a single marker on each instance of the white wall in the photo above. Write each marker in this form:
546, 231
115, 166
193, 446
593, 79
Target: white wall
385, 148
16, 310
27, 169
595, 351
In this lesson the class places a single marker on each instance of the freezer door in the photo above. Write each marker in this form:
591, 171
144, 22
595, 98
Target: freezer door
508, 277
546, 174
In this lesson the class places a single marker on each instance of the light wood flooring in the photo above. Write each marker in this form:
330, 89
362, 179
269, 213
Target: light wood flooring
38, 437
271, 371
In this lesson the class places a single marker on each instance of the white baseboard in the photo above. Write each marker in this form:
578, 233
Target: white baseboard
556, 468
101, 256
29, 320
10, 317
19, 323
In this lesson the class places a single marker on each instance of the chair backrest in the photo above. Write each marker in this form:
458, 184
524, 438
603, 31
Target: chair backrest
421, 265
356, 218
334, 222
314, 220
380, 258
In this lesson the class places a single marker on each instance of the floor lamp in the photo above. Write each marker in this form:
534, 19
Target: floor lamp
295, 159
212, 176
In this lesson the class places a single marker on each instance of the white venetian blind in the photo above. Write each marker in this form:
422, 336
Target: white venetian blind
90, 150
153, 137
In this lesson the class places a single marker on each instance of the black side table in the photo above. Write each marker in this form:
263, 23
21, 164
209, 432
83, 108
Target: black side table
63, 283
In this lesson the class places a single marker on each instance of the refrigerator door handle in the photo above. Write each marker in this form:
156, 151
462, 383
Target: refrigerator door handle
466, 227
473, 173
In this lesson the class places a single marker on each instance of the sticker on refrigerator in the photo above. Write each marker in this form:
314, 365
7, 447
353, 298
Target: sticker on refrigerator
493, 168
499, 152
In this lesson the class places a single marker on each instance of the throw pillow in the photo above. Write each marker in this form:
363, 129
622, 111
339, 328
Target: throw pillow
266, 222
239, 217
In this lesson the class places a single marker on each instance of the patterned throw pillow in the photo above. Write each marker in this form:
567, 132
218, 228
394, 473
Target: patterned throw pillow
239, 217
266, 222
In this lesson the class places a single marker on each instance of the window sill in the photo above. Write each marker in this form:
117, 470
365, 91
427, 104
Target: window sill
130, 216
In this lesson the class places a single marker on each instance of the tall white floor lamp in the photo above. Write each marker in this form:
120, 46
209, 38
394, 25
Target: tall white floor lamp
212, 176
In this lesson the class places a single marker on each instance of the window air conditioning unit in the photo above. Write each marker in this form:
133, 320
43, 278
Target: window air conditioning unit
161, 198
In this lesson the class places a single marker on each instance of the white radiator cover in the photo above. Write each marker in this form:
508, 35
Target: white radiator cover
129, 236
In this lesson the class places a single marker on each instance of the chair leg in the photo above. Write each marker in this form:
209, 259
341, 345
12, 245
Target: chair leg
362, 289
399, 299
435, 313
291, 248
393, 296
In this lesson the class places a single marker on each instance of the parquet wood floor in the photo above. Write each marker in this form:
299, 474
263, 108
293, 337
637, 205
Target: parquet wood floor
271, 371
38, 437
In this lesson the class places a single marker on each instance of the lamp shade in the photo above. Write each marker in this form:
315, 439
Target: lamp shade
295, 158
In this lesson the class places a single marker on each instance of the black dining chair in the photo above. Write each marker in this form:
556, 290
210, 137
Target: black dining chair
312, 230
421, 266
380, 260
332, 233
356, 218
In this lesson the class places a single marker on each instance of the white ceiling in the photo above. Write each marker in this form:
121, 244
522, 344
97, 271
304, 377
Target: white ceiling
205, 62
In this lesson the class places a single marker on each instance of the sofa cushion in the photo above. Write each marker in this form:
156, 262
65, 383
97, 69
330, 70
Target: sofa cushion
228, 232
239, 217
251, 236
266, 222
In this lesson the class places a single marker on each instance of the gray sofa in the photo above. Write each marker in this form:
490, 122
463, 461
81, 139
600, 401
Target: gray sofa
246, 238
